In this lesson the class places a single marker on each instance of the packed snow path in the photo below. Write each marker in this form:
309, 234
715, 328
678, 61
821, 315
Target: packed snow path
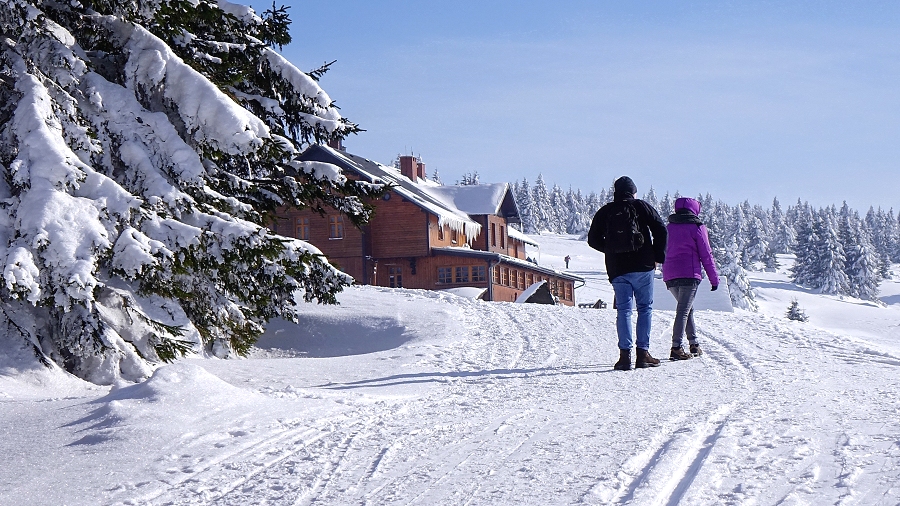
490, 403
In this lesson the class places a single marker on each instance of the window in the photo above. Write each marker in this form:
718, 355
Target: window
479, 273
522, 280
445, 274
454, 236
502, 236
495, 275
395, 277
529, 279
462, 274
440, 232
505, 276
493, 234
336, 227
302, 228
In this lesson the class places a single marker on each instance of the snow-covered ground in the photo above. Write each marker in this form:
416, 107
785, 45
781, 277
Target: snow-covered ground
413, 397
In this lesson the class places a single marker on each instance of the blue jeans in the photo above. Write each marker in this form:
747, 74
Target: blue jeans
631, 288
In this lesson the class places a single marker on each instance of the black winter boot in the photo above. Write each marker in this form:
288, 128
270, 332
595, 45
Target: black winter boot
695, 350
624, 363
644, 360
678, 354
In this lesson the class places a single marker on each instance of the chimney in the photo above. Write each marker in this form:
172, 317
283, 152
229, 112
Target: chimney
420, 170
337, 144
409, 167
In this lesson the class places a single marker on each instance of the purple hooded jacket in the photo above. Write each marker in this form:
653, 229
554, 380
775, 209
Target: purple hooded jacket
688, 247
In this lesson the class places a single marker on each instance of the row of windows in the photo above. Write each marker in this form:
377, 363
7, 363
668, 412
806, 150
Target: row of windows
520, 280
503, 276
462, 274
335, 227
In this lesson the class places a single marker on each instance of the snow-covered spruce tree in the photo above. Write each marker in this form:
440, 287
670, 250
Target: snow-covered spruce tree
558, 211
526, 207
803, 272
879, 226
829, 272
861, 262
666, 206
783, 236
143, 146
540, 210
739, 289
651, 198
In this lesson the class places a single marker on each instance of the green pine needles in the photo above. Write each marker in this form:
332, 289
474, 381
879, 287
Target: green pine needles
144, 148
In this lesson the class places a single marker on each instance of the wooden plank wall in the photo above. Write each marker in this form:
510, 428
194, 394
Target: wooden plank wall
399, 229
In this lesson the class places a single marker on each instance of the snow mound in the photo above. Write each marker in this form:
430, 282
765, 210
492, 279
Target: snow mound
179, 384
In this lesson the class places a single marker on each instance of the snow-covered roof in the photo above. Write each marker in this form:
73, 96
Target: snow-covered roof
419, 194
453, 205
519, 236
480, 199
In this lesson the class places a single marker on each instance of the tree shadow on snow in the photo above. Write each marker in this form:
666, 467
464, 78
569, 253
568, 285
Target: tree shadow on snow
890, 299
322, 337
782, 285
492, 374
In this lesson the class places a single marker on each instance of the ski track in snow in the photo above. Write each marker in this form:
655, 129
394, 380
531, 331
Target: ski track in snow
499, 403
480, 437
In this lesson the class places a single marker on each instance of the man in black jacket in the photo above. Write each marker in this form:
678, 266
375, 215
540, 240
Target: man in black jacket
631, 260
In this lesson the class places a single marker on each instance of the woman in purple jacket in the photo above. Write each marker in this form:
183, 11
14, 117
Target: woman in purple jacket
687, 250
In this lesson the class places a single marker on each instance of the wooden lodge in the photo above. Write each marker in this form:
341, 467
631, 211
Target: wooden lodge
427, 236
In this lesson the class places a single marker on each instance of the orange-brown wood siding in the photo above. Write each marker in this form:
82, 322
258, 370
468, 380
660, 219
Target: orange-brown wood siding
399, 229
345, 253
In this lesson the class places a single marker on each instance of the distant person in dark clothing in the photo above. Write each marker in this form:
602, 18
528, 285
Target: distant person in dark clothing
632, 254
567, 261
687, 250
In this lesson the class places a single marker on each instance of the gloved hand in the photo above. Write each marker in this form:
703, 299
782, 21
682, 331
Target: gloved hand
714, 288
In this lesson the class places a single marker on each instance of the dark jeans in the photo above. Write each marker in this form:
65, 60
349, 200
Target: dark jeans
684, 314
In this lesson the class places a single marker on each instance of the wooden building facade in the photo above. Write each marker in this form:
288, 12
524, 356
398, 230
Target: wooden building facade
427, 236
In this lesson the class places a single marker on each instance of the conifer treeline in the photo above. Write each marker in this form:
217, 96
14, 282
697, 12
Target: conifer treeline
837, 251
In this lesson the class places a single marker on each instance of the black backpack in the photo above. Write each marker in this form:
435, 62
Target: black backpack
623, 231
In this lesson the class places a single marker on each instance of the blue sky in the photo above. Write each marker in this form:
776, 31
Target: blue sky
743, 100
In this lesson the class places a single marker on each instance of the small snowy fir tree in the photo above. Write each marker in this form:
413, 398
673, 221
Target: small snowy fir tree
795, 313
144, 147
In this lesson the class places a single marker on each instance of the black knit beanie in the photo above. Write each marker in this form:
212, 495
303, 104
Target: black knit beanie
625, 185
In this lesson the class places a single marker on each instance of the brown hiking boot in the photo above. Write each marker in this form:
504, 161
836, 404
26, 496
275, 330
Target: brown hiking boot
644, 360
624, 363
695, 350
678, 354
